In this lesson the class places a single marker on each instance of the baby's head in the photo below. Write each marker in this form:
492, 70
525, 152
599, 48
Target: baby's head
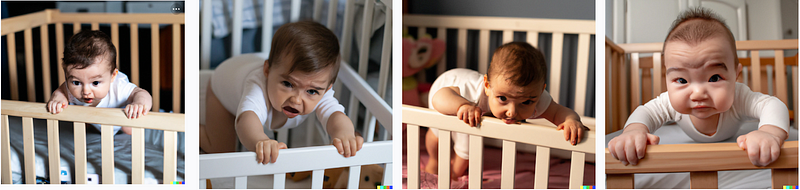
302, 66
515, 80
90, 65
702, 66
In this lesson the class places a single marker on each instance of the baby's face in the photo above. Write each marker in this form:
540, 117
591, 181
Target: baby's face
90, 84
295, 93
512, 103
701, 78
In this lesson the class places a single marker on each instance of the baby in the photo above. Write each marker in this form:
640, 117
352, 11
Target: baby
512, 91
280, 92
703, 96
92, 79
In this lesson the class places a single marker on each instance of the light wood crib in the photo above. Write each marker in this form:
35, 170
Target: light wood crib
240, 165
170, 123
624, 63
538, 132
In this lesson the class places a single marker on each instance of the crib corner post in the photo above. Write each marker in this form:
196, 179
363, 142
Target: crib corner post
619, 181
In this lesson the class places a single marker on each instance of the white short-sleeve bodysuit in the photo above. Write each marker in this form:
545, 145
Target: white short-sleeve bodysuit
117, 96
470, 85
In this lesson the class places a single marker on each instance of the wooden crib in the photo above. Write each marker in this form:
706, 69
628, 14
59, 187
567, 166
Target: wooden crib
624, 63
107, 117
546, 137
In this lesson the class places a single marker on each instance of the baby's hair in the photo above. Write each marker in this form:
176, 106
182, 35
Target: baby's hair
709, 25
86, 47
520, 62
309, 45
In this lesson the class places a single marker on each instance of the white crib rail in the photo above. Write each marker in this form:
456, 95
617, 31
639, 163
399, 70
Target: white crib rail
317, 159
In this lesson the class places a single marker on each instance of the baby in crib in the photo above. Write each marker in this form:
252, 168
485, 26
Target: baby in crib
703, 96
513, 90
280, 92
92, 79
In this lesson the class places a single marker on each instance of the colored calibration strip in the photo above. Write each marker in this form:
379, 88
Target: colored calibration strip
588, 187
790, 187
177, 182
384, 187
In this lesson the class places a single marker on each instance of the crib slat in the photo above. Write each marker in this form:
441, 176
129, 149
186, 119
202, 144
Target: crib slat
45, 44
386, 56
156, 91
755, 65
475, 161
508, 36
658, 82
609, 91
316, 179
363, 59
703, 180
781, 177
619, 181
80, 152
236, 29
266, 32
279, 181
107, 141
347, 30
29, 65
137, 155
60, 50
53, 151
354, 178
176, 68
205, 35
542, 167
442, 35
95, 26
461, 53
5, 152
318, 10
76, 27
115, 38
30, 157
444, 159
533, 39
412, 156
483, 51
170, 155
295, 11
332, 9
507, 168
576, 170
387, 175
795, 106
240, 182
135, 53
780, 77
635, 96
12, 65
555, 65
583, 73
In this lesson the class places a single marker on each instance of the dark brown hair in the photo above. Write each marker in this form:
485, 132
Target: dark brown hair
85, 47
710, 24
519, 62
311, 47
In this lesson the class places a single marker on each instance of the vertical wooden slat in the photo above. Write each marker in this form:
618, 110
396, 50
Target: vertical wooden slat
475, 161
354, 178
317, 179
363, 59
107, 141
635, 96
461, 53
29, 65
658, 81
782, 177
12, 65
60, 51
703, 180
444, 159
170, 155
137, 155
294, 13
347, 30
507, 168
542, 167
387, 175
533, 39
555, 65
205, 35
76, 27
53, 151
386, 56
30, 157
266, 31
609, 92
318, 10
576, 170
795, 106
780, 78
442, 66
80, 152
135, 53
755, 65
412, 143
5, 152
332, 7
619, 181
115, 38
483, 51
95, 26
156, 91
236, 29
176, 68
279, 181
45, 44
508, 36
582, 73
623, 111
240, 182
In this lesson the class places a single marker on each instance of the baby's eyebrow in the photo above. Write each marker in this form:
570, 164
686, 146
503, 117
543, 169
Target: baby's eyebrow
674, 69
725, 67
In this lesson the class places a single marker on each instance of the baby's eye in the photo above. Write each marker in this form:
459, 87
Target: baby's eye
502, 98
76, 83
715, 78
286, 83
529, 102
96, 83
681, 80
312, 92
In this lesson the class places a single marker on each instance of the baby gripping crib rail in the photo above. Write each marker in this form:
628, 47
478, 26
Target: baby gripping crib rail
545, 137
242, 164
170, 123
702, 161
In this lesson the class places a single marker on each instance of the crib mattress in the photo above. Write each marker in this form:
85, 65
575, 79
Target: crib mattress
672, 134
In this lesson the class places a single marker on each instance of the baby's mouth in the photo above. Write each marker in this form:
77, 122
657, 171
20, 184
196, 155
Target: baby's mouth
290, 111
88, 100
510, 121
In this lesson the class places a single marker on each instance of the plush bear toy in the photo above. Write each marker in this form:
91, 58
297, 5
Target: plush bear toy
418, 55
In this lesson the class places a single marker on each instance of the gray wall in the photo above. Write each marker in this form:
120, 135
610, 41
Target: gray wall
571, 9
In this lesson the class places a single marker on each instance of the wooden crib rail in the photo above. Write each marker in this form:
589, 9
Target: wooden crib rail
544, 136
702, 161
107, 117
316, 159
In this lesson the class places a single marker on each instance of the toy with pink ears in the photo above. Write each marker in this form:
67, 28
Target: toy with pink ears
418, 54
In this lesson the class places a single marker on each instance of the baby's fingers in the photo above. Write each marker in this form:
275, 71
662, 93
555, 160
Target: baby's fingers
573, 135
360, 141
338, 144
580, 134
274, 152
753, 153
630, 153
259, 152
740, 141
353, 147
346, 148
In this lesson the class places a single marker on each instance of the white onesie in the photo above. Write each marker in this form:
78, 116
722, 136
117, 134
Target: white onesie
117, 96
241, 86
470, 85
747, 105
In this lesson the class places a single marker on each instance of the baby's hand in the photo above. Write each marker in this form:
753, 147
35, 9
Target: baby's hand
57, 104
573, 131
347, 144
134, 110
267, 151
762, 148
631, 145
470, 114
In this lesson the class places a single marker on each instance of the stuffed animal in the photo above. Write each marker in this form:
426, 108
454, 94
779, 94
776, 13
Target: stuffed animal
418, 55
336, 178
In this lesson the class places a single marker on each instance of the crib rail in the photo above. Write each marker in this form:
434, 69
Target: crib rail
107, 117
702, 161
546, 137
43, 19
316, 159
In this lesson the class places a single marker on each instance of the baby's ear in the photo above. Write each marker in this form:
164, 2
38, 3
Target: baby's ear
114, 74
266, 67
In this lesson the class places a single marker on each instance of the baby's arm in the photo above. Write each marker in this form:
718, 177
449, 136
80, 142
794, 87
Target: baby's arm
58, 101
342, 132
763, 146
449, 101
251, 133
139, 103
630, 146
567, 120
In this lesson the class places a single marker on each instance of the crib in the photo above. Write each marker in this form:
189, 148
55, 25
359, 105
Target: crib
240, 165
170, 123
546, 139
768, 75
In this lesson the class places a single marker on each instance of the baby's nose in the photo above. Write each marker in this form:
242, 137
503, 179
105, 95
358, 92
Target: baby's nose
698, 93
